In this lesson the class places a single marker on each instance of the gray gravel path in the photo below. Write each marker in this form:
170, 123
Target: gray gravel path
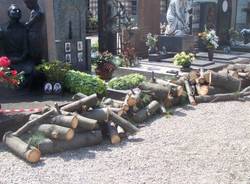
208, 144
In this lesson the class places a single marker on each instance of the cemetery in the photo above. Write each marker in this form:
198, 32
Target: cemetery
90, 74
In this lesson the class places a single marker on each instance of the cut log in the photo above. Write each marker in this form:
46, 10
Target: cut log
49, 146
112, 133
190, 93
56, 132
89, 101
193, 76
34, 122
146, 112
126, 125
21, 149
122, 134
100, 115
202, 89
179, 89
221, 97
226, 82
79, 96
239, 67
66, 121
61, 120
231, 73
87, 123
160, 91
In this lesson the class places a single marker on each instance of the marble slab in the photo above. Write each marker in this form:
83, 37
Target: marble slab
217, 56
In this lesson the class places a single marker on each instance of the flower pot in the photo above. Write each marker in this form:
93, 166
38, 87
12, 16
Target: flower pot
186, 68
151, 50
210, 54
103, 74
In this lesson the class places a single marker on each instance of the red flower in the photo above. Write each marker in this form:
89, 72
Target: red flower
1, 74
4, 62
13, 73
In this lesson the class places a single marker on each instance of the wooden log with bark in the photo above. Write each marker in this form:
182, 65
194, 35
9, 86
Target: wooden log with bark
226, 82
146, 112
160, 91
49, 146
100, 114
61, 120
190, 93
55, 132
21, 149
239, 67
208, 90
121, 132
79, 105
126, 125
79, 96
30, 124
113, 133
223, 97
179, 88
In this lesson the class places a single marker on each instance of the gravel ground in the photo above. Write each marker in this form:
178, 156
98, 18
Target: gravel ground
206, 144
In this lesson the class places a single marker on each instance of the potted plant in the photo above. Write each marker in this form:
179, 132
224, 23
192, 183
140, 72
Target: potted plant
184, 60
210, 39
151, 42
8, 77
104, 65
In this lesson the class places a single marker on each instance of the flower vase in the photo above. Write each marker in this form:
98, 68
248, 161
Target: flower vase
210, 54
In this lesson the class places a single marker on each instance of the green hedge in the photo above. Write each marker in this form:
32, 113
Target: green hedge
126, 82
76, 82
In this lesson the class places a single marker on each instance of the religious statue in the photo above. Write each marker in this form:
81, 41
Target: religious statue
34, 26
178, 18
14, 37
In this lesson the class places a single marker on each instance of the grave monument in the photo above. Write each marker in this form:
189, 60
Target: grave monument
56, 30
179, 27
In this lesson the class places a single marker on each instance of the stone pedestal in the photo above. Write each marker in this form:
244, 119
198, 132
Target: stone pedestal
176, 43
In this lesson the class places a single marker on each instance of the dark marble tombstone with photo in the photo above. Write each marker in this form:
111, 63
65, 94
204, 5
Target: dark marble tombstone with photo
70, 32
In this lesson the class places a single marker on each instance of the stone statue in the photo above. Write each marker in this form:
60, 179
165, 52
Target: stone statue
15, 44
35, 26
178, 18
14, 37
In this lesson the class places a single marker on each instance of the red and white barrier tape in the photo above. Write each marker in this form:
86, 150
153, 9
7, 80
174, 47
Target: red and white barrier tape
9, 111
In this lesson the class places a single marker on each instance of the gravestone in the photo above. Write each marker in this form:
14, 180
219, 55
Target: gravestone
177, 43
64, 29
148, 22
67, 32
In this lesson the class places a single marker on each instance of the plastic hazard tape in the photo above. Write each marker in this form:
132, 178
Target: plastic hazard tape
9, 111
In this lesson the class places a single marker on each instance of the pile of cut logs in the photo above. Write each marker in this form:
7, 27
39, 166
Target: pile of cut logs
231, 83
87, 120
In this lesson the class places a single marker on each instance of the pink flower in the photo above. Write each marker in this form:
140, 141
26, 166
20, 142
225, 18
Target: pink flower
13, 73
2, 73
4, 62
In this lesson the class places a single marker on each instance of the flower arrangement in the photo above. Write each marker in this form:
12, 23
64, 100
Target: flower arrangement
8, 76
209, 38
183, 59
54, 71
104, 65
151, 41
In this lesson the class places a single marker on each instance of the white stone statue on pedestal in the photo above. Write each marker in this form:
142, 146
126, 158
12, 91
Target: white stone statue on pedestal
178, 18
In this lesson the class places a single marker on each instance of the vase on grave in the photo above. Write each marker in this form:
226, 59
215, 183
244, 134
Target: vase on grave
210, 54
